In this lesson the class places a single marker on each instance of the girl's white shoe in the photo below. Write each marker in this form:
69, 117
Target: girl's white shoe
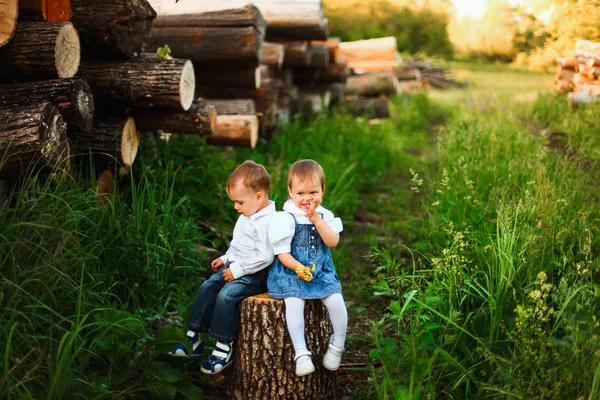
333, 356
304, 365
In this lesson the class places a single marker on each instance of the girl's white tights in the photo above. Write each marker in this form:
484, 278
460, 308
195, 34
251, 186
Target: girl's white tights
294, 314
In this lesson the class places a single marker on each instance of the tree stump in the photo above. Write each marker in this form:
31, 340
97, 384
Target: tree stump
264, 365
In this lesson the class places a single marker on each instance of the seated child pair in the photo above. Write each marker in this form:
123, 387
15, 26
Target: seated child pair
302, 234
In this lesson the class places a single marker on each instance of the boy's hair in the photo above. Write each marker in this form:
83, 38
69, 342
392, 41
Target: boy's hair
253, 176
306, 169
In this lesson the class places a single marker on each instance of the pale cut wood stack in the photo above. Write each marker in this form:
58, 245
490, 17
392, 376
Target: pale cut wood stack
578, 75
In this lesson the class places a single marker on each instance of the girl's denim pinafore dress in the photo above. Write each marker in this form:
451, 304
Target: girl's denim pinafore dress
307, 247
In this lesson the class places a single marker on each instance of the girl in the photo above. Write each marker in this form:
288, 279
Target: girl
302, 235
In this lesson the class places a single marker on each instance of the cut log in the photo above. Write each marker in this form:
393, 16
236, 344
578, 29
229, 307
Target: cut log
234, 106
247, 15
296, 31
369, 107
334, 48
577, 99
333, 72
564, 85
593, 90
73, 97
112, 27
145, 82
200, 119
382, 49
41, 50
273, 54
45, 10
105, 188
319, 55
9, 11
114, 136
588, 49
404, 73
31, 136
580, 78
364, 67
235, 130
373, 84
568, 62
564, 73
228, 76
296, 53
212, 45
264, 365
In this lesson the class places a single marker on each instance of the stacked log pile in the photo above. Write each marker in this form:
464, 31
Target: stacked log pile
578, 74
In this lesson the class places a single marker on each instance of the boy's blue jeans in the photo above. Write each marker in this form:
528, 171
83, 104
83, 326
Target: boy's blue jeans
217, 306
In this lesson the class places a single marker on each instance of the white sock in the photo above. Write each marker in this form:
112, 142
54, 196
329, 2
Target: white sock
294, 315
339, 318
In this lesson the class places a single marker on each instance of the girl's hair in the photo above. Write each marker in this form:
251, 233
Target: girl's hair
253, 176
306, 170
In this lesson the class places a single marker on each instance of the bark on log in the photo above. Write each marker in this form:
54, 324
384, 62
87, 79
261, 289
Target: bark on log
234, 106
114, 136
264, 365
296, 31
32, 136
319, 55
112, 27
333, 72
45, 10
9, 11
247, 15
373, 84
404, 73
241, 76
145, 82
273, 54
73, 97
200, 119
296, 53
41, 50
211, 45
369, 107
235, 130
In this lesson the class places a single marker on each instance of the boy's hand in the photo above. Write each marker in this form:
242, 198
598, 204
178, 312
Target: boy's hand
228, 275
217, 264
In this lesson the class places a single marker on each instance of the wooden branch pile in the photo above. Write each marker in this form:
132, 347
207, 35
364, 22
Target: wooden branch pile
426, 72
578, 75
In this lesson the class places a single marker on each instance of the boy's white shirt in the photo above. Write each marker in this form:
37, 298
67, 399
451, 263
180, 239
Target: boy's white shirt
250, 249
282, 227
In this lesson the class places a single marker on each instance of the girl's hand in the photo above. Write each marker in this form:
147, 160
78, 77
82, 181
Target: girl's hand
304, 273
310, 211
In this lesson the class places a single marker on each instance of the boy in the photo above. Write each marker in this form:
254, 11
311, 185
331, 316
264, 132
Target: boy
240, 273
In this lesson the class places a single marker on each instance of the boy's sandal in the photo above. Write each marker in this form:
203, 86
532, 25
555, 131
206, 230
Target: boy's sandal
333, 356
221, 358
182, 350
306, 366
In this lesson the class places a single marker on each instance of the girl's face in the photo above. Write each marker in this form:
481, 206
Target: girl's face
306, 194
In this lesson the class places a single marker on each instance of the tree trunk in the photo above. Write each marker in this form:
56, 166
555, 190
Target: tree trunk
200, 119
264, 365
236, 17
73, 97
9, 10
235, 130
31, 136
45, 10
112, 27
273, 54
370, 107
212, 45
333, 72
234, 107
145, 82
114, 136
241, 76
373, 84
41, 50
